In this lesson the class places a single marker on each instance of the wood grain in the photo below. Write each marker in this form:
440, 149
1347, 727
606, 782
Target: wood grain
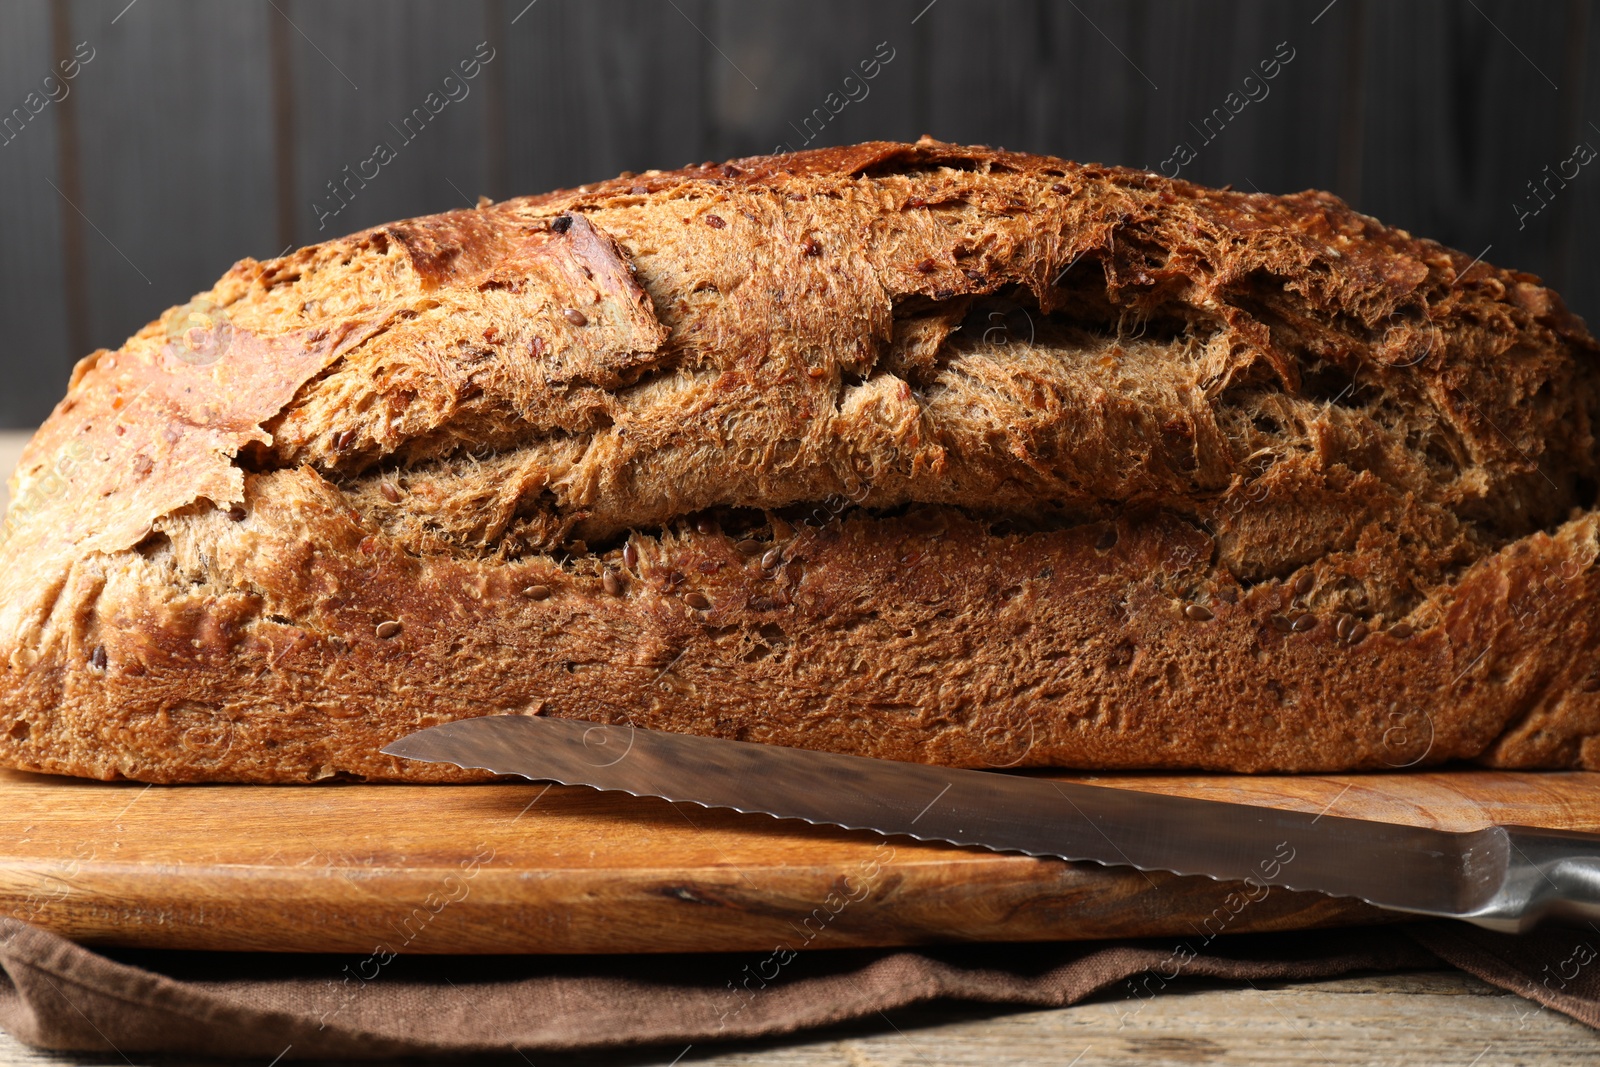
1424, 1019
169, 111
1580, 278
359, 70
32, 282
598, 88
793, 106
1431, 1019
1464, 107
1466, 799
1288, 137
525, 868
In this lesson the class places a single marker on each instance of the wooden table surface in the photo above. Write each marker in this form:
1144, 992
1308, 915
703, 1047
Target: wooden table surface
1419, 1020
1425, 1019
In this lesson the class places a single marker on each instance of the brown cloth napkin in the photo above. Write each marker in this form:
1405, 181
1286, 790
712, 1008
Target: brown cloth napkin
60, 995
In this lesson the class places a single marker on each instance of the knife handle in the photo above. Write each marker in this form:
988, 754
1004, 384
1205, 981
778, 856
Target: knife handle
1549, 873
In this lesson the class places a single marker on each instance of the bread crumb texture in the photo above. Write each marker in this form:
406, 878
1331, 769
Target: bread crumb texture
926, 452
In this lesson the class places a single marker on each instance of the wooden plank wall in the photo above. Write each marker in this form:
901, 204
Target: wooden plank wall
203, 132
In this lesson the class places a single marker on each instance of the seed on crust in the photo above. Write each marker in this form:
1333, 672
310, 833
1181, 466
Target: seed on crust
697, 601
576, 317
537, 592
1351, 630
388, 629
612, 583
1198, 613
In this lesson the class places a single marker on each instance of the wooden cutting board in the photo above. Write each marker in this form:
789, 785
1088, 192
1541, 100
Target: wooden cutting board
522, 868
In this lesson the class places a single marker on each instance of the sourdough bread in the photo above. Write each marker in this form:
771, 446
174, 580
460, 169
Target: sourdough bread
923, 451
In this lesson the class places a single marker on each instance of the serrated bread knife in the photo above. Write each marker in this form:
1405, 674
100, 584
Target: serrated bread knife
1503, 877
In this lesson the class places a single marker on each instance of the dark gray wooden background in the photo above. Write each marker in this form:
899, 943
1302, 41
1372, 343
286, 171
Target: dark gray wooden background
202, 131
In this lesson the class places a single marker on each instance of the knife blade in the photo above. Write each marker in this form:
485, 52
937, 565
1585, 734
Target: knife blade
1504, 878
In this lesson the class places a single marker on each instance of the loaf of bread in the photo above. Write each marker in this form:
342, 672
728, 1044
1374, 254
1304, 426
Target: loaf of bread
924, 451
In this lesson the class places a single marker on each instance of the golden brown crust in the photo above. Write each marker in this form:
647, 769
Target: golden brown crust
923, 451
